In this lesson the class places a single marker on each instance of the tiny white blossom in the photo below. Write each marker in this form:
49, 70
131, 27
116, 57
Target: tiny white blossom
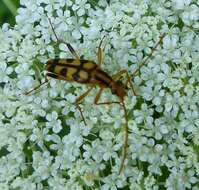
44, 142
53, 122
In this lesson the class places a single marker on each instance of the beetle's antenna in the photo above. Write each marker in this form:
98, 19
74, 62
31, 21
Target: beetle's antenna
125, 146
53, 29
71, 49
149, 56
37, 87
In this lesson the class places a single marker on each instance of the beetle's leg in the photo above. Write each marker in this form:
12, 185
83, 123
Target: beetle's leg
98, 97
37, 87
99, 54
71, 49
125, 146
118, 75
149, 56
79, 100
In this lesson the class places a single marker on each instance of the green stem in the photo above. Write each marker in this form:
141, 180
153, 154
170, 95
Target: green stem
11, 6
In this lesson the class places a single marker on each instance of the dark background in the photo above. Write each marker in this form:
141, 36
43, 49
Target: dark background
8, 11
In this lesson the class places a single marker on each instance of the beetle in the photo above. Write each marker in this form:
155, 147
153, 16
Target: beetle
90, 73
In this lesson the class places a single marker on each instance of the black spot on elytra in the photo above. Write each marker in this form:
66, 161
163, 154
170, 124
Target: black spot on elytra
52, 75
63, 72
82, 61
69, 60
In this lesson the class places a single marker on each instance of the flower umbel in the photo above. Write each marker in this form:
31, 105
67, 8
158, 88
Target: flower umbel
44, 143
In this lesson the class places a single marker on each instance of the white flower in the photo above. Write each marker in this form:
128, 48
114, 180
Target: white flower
44, 142
94, 151
190, 121
191, 14
112, 183
145, 115
53, 122
180, 4
172, 103
41, 164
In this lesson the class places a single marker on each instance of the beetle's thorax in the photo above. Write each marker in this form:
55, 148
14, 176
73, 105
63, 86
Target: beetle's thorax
118, 89
100, 78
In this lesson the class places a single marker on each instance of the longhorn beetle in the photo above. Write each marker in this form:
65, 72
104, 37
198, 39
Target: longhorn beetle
88, 72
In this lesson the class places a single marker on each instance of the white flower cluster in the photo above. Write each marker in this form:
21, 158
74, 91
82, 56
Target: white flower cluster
44, 144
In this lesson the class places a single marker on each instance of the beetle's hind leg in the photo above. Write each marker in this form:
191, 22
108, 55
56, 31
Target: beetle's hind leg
125, 146
71, 49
